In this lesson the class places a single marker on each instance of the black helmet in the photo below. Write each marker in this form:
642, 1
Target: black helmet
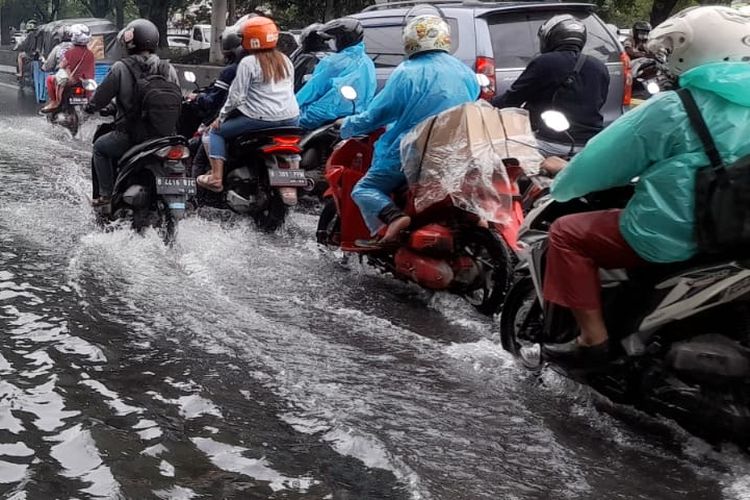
641, 29
140, 35
346, 32
65, 33
310, 39
561, 30
231, 45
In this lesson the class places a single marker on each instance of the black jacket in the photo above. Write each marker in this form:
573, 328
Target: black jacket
541, 88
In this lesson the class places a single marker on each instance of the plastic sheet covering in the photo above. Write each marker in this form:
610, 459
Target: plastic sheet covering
459, 154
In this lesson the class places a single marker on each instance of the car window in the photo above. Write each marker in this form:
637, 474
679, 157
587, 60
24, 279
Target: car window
197, 35
384, 44
515, 42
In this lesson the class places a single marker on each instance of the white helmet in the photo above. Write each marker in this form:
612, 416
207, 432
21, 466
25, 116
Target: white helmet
701, 35
80, 34
425, 34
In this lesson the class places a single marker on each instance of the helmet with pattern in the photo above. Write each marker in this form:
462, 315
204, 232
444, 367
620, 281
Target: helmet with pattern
426, 33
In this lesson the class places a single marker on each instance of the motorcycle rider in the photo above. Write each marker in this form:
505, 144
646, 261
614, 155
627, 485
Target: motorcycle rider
635, 43
313, 48
708, 51
564, 79
77, 63
428, 82
140, 38
26, 48
320, 101
210, 101
261, 96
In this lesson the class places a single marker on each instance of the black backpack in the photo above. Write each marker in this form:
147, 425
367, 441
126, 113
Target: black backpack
722, 194
156, 100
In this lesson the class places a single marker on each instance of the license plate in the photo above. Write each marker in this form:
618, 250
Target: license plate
78, 101
175, 185
286, 178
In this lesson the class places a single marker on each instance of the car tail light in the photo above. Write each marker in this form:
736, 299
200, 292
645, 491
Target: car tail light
173, 153
283, 144
628, 77
486, 66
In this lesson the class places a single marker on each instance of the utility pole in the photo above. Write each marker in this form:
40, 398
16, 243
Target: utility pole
218, 24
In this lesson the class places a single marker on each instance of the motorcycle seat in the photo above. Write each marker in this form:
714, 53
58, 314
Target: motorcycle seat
659, 272
149, 145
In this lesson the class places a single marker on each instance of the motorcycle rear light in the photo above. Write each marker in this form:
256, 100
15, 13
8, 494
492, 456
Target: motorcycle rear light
173, 153
627, 96
284, 144
486, 66
79, 90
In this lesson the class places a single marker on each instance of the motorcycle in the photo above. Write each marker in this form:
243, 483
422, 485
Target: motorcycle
73, 99
151, 188
680, 332
650, 76
317, 146
446, 249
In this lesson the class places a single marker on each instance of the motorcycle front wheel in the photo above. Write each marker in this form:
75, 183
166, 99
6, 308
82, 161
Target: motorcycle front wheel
489, 252
522, 323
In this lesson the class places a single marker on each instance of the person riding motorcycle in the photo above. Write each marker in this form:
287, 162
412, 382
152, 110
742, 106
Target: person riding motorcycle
320, 101
62, 43
77, 63
635, 43
708, 51
140, 38
313, 48
428, 82
564, 79
261, 96
210, 102
26, 49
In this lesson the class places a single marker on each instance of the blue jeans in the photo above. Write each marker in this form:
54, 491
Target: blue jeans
372, 194
237, 126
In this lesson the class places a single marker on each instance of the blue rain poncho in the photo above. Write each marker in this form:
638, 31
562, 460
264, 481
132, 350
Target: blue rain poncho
656, 143
419, 88
320, 100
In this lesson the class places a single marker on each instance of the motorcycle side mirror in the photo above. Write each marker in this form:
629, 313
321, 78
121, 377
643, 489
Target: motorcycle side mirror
556, 121
189, 77
653, 88
483, 80
349, 93
90, 85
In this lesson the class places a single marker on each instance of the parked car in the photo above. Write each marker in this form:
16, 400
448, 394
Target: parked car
200, 37
498, 40
179, 42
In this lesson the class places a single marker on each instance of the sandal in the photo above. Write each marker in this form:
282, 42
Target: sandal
206, 181
102, 201
377, 244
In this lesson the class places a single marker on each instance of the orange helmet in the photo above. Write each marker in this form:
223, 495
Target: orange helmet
259, 33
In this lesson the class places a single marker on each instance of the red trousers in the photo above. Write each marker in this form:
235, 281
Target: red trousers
51, 88
580, 245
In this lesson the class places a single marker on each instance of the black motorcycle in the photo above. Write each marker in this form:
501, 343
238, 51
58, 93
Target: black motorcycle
73, 99
151, 188
680, 333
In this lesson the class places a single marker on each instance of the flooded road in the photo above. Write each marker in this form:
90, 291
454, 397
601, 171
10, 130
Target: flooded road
249, 366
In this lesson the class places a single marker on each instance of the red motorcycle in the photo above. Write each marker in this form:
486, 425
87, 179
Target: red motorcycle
447, 247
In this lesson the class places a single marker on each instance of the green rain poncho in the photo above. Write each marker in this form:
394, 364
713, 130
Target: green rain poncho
656, 143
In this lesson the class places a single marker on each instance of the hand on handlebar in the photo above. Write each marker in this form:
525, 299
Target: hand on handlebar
552, 165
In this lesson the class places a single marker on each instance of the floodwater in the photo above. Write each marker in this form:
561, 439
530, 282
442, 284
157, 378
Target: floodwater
249, 366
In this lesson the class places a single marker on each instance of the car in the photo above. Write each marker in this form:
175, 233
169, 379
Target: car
200, 37
498, 40
178, 41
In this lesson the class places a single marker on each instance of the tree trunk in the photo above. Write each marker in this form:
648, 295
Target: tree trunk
661, 10
157, 11
232, 12
120, 14
218, 24
330, 10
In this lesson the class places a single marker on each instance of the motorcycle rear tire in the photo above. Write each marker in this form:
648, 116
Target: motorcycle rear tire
492, 301
329, 224
274, 215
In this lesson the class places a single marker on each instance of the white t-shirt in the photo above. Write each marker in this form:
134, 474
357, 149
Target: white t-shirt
254, 98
